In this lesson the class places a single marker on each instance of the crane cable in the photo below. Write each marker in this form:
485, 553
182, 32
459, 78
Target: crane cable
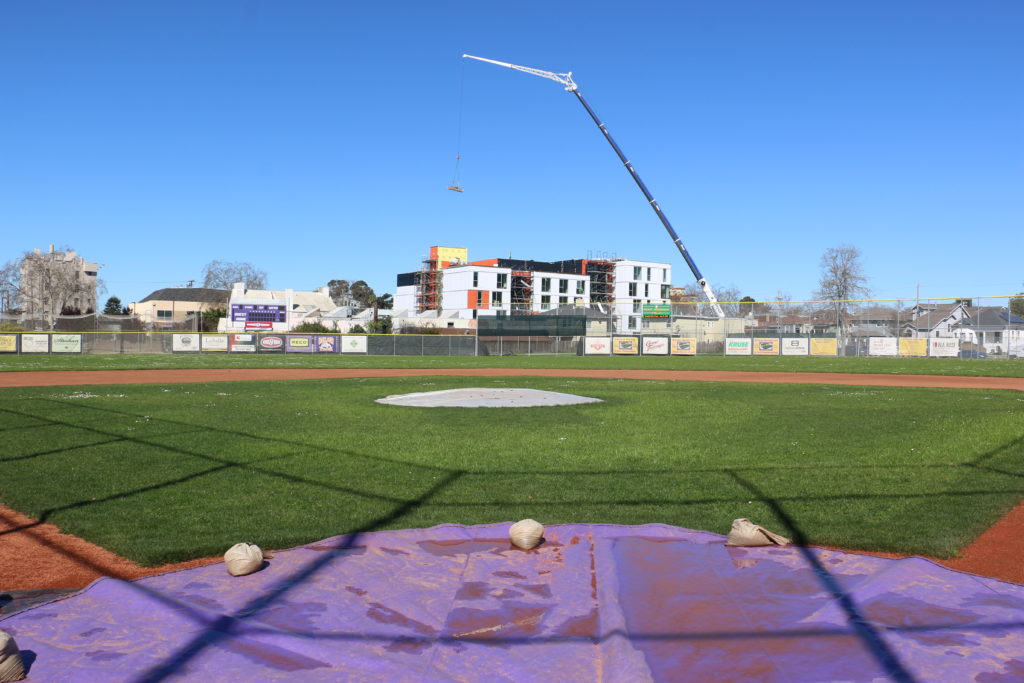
455, 187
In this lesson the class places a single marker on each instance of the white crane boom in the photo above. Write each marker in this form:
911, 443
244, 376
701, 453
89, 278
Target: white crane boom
564, 79
570, 85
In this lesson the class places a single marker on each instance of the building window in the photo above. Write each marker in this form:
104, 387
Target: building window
997, 337
545, 284
502, 280
563, 286
649, 274
565, 300
647, 290
632, 289
636, 306
476, 279
666, 291
581, 287
632, 323
479, 298
637, 272
496, 298
664, 274
164, 314
545, 302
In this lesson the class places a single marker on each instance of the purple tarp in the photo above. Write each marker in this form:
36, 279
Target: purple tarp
594, 602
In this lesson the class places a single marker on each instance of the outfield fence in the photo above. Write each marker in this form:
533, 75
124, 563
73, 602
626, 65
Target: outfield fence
983, 327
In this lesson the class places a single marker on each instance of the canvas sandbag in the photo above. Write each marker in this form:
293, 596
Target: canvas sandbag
243, 558
11, 666
526, 534
746, 533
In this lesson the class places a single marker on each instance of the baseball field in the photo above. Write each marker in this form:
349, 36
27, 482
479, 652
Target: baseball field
170, 471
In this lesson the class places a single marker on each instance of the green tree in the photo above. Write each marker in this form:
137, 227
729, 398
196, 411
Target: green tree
1017, 305
211, 318
382, 325
113, 307
363, 294
312, 328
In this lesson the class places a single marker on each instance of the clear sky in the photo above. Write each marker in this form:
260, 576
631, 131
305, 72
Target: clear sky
315, 139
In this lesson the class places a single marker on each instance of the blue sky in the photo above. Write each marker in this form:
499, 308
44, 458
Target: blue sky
315, 139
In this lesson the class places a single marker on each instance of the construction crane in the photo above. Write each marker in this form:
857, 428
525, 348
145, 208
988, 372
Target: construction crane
570, 85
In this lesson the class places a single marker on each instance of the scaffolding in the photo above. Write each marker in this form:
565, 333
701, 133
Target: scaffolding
428, 286
602, 281
522, 291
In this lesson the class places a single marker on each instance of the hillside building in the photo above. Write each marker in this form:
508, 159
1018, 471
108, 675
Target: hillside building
57, 281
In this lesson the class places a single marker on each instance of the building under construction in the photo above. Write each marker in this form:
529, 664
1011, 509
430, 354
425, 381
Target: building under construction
448, 281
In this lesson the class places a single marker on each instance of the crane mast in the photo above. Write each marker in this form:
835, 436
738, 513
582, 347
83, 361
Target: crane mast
570, 85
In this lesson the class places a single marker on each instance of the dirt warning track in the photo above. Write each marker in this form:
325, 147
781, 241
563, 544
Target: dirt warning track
100, 377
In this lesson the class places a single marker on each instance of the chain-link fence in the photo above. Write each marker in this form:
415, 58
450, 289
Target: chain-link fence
980, 327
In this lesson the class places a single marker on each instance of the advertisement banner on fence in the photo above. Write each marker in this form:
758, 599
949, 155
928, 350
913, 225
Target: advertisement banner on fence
794, 346
684, 346
597, 346
655, 346
326, 343
242, 343
353, 344
214, 342
184, 342
738, 346
882, 346
947, 347
8, 343
271, 343
299, 343
626, 346
66, 343
913, 347
35, 343
824, 346
766, 347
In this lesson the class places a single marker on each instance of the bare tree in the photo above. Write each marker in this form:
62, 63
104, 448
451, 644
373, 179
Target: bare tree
224, 275
842, 281
46, 284
10, 286
728, 297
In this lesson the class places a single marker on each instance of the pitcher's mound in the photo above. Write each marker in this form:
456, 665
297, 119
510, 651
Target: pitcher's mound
486, 398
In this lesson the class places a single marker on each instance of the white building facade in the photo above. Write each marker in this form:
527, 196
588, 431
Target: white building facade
274, 310
498, 287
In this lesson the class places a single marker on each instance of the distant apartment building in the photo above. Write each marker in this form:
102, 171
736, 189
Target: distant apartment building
57, 281
449, 282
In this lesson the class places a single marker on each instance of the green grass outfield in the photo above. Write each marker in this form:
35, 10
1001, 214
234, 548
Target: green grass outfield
899, 366
162, 473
